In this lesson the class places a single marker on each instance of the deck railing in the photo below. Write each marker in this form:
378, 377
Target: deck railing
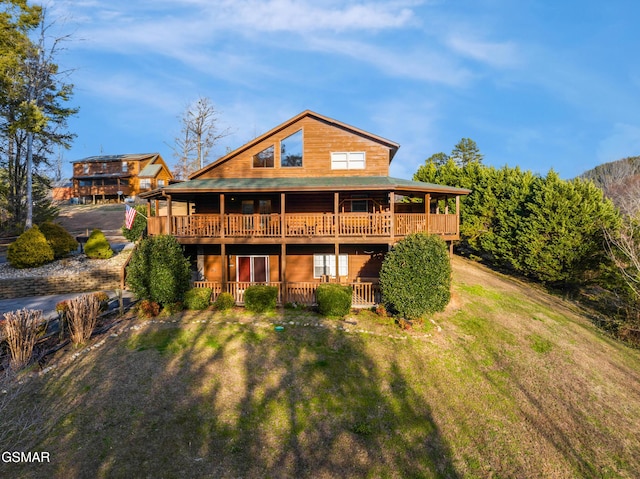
300, 292
305, 225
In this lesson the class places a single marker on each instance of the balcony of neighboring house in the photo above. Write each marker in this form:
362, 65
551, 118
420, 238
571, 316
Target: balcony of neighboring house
302, 226
104, 188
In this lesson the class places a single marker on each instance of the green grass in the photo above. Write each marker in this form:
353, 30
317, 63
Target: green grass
509, 384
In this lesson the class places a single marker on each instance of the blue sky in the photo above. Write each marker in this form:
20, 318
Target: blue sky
537, 84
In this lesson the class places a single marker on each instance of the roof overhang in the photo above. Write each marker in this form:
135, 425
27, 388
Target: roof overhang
300, 185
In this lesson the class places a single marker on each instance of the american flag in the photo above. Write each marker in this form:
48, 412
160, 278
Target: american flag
129, 216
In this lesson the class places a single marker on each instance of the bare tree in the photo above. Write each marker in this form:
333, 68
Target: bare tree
624, 243
199, 134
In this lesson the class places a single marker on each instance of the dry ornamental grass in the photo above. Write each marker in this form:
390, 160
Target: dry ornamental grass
21, 329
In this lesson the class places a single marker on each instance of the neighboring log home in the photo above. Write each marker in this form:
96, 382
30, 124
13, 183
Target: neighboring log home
308, 201
114, 177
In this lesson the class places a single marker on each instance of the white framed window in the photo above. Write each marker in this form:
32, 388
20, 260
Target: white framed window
325, 265
145, 183
348, 160
125, 167
160, 183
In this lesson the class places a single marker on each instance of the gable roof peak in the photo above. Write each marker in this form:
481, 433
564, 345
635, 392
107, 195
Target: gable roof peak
393, 146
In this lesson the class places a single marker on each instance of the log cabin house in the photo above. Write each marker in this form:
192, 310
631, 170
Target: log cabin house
307, 202
114, 177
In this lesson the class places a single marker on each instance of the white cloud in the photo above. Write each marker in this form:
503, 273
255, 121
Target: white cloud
309, 16
497, 54
415, 63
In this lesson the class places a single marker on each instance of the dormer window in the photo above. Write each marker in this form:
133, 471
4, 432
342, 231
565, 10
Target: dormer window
125, 167
348, 160
264, 159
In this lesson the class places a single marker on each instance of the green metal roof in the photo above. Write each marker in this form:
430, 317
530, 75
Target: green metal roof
325, 183
149, 171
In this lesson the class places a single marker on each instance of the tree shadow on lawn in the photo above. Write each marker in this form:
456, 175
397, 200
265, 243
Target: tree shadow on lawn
238, 400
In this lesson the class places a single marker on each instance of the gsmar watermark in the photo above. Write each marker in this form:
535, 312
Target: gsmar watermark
23, 457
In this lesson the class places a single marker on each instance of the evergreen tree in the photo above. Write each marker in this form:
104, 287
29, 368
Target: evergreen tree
32, 97
466, 152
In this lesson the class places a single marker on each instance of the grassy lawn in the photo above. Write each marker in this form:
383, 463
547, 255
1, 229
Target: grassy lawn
508, 382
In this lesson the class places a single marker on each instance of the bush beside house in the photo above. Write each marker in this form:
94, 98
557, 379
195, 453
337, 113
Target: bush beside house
260, 298
224, 301
415, 277
334, 299
158, 270
197, 298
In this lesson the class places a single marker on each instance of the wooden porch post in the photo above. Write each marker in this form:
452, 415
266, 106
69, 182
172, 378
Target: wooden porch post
336, 206
336, 248
283, 223
427, 210
458, 216
223, 260
168, 214
222, 225
283, 271
392, 209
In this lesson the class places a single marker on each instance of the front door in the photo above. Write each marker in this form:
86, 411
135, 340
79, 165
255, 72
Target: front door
252, 269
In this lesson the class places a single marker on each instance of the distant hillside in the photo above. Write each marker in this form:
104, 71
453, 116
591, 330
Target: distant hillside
620, 181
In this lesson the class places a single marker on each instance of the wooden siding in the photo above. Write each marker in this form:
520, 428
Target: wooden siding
320, 139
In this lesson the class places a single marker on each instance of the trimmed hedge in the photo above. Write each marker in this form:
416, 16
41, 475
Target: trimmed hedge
260, 298
415, 277
61, 242
158, 270
197, 298
97, 246
334, 299
224, 301
30, 250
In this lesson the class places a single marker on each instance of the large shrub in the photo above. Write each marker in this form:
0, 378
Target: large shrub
260, 298
334, 299
415, 277
197, 298
59, 239
31, 249
158, 270
97, 246
138, 226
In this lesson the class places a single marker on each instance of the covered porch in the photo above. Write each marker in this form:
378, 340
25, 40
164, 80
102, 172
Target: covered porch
290, 215
365, 294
